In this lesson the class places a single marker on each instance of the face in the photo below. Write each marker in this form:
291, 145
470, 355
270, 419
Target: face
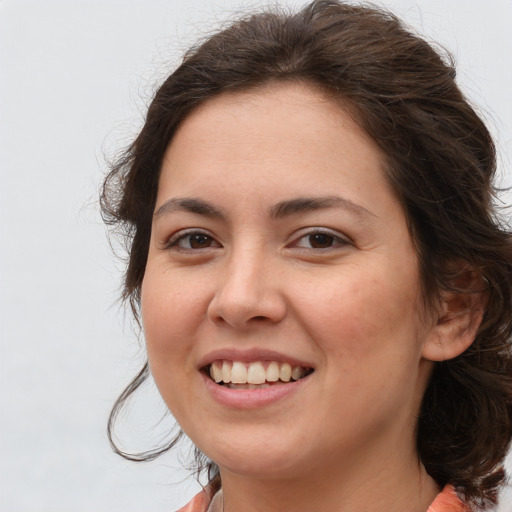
278, 247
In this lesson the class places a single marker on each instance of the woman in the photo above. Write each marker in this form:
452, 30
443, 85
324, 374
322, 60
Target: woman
324, 285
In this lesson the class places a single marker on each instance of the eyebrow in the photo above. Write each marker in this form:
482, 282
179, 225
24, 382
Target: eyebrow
308, 204
192, 205
278, 211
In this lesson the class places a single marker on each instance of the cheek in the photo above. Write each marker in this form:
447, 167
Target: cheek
164, 306
169, 340
363, 312
171, 298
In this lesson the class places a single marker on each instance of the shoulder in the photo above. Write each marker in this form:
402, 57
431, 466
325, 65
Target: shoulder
199, 503
448, 501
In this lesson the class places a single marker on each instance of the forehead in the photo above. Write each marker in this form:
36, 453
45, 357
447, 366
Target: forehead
287, 127
281, 110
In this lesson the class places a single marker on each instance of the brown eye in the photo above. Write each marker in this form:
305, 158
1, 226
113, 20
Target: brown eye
199, 241
321, 240
193, 240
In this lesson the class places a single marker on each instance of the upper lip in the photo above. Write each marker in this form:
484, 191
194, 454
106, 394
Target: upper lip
251, 355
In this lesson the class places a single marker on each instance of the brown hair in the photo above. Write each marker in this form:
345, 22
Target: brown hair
440, 161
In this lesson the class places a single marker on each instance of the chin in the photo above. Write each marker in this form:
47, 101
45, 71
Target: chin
269, 460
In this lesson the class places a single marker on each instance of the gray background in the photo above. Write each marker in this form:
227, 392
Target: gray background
75, 77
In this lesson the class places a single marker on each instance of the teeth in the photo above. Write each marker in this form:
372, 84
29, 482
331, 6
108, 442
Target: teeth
226, 372
273, 372
285, 372
238, 373
216, 372
297, 372
254, 375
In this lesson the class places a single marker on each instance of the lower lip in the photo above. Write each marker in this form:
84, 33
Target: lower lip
252, 398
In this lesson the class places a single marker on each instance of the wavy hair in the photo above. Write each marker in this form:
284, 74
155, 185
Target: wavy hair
440, 160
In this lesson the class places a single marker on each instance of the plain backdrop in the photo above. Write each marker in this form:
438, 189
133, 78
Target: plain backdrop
75, 77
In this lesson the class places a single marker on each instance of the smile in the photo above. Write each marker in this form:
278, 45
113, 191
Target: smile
256, 374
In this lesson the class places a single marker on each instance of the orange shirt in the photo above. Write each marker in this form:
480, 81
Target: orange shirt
199, 503
446, 501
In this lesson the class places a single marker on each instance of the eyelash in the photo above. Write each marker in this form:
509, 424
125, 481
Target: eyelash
176, 239
332, 238
335, 238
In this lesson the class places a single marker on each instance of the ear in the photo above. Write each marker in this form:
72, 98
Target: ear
460, 314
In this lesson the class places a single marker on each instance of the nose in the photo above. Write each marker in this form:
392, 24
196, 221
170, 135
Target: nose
248, 293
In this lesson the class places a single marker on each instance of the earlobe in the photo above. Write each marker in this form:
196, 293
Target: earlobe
461, 314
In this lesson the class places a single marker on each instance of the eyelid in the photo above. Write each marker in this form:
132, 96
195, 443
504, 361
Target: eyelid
172, 241
340, 238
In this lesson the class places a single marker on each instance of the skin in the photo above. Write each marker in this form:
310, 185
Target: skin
259, 278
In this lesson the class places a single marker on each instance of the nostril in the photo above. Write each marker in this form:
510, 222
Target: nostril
238, 309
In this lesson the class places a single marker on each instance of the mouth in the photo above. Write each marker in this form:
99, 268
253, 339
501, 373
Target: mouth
255, 374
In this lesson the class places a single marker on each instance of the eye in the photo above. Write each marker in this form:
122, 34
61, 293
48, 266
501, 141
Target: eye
320, 239
192, 240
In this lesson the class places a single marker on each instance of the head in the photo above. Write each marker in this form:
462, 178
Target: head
437, 158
